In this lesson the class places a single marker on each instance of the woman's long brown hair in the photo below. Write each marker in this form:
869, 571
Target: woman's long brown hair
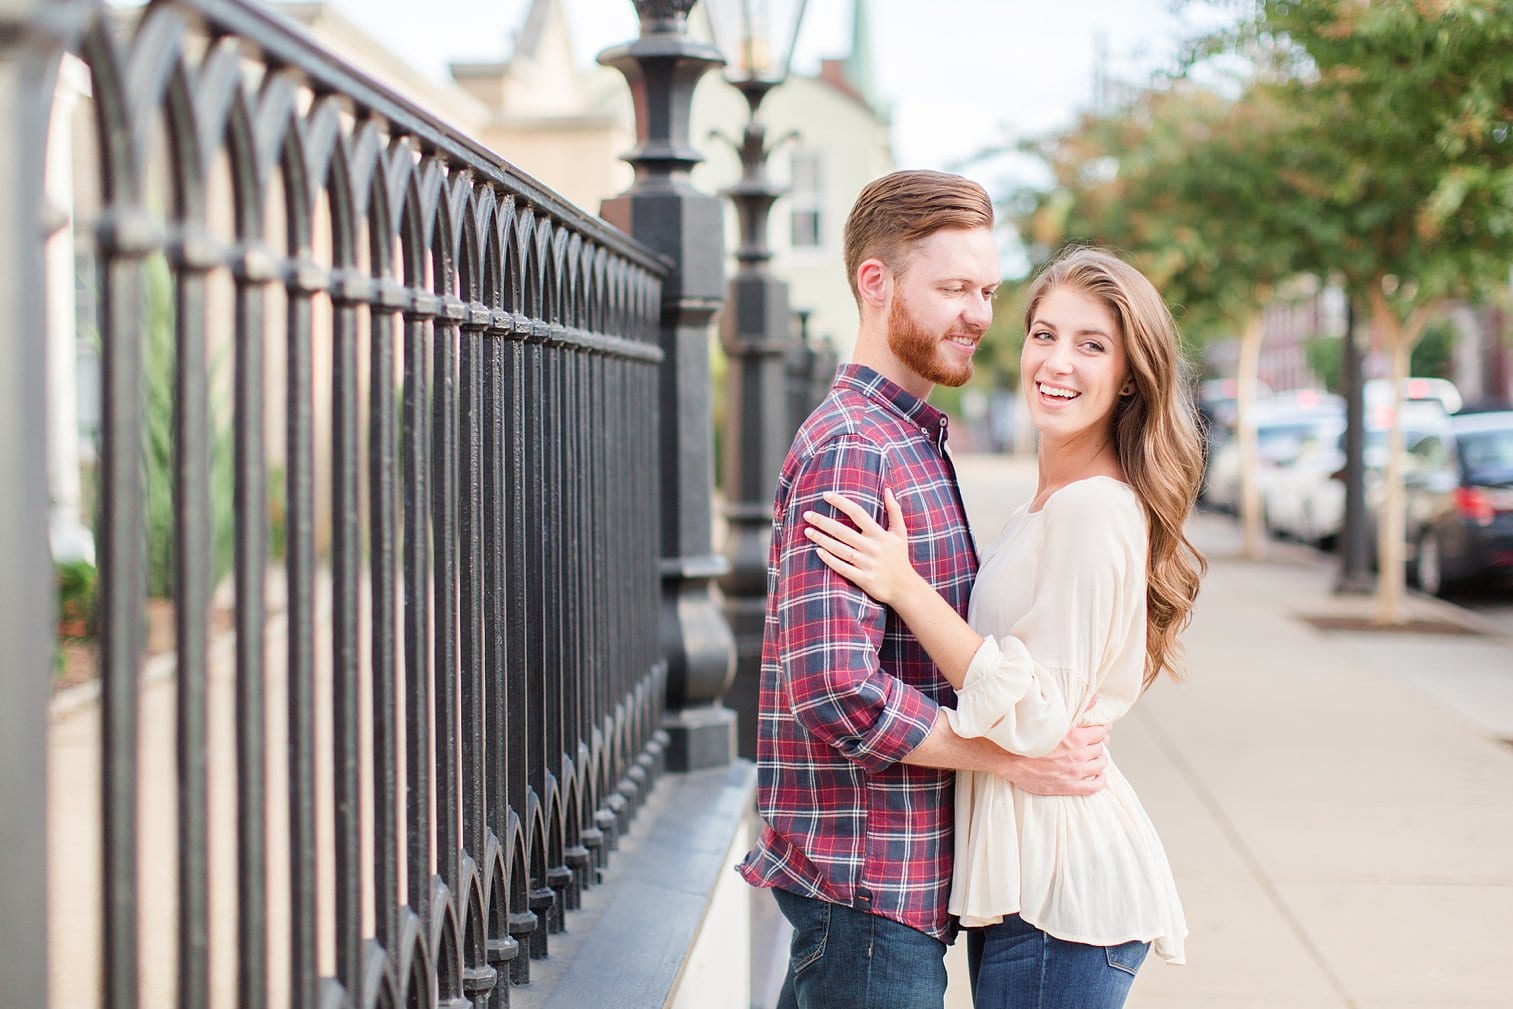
1155, 435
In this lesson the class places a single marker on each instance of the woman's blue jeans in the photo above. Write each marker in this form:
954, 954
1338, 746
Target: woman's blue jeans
1014, 964
842, 958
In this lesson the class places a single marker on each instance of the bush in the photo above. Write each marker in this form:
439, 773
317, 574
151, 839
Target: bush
76, 598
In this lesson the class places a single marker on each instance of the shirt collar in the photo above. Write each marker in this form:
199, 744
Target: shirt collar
892, 396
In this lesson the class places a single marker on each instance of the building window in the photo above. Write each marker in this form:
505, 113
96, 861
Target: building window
806, 200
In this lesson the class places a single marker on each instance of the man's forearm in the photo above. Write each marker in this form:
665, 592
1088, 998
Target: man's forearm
944, 748
1073, 768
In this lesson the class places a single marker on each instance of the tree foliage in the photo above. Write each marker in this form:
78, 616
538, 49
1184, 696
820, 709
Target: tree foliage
1187, 182
1184, 181
1410, 106
1409, 182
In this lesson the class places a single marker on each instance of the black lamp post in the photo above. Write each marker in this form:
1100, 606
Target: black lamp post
1355, 576
661, 209
801, 365
756, 332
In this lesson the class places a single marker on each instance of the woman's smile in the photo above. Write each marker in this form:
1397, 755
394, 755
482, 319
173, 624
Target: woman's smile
1055, 396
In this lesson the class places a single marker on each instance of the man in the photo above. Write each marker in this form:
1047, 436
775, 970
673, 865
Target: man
855, 759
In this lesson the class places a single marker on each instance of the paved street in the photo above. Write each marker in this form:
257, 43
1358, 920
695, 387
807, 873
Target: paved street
1492, 604
1337, 805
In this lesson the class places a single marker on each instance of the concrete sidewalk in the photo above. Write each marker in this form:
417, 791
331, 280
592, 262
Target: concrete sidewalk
1338, 806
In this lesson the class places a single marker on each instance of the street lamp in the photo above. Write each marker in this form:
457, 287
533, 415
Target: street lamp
757, 39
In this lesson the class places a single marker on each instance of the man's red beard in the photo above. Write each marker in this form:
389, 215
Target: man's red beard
920, 351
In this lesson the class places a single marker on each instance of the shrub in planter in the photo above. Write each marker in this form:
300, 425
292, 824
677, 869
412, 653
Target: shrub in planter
76, 598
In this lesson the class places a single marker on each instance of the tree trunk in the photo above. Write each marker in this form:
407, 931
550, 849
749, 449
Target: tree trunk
1390, 518
1247, 372
1391, 550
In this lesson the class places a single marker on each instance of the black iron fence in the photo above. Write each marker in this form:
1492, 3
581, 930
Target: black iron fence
433, 388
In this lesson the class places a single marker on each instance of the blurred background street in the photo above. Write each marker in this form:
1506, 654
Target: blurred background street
1336, 804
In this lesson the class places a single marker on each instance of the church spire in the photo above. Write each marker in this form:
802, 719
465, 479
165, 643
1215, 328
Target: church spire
858, 65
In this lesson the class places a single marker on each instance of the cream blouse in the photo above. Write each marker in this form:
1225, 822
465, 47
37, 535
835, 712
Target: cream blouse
1060, 602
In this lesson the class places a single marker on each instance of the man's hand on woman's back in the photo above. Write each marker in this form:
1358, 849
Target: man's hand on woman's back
1075, 767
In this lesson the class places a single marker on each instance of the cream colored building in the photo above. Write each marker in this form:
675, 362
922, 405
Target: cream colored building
568, 124
343, 37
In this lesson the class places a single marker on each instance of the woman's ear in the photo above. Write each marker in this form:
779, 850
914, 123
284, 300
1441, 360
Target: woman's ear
874, 282
1128, 388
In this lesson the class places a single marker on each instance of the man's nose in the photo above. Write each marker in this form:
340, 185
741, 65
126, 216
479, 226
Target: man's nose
979, 313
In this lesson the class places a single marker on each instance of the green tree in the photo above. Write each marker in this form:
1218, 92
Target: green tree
1323, 353
1432, 353
1408, 181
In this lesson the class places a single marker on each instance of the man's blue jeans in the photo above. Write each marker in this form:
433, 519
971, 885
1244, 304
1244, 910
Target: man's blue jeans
842, 958
1014, 963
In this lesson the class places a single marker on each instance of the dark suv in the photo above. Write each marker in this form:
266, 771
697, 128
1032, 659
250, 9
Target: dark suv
1460, 502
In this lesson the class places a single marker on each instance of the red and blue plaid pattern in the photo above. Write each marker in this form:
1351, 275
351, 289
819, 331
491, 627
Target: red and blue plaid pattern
846, 689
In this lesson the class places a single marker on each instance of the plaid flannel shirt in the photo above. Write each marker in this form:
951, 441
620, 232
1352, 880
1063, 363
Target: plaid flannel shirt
846, 690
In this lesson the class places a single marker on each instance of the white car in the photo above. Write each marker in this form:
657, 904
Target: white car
1378, 393
1281, 428
1305, 499
1301, 499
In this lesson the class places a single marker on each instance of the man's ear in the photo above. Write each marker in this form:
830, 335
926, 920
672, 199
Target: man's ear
874, 283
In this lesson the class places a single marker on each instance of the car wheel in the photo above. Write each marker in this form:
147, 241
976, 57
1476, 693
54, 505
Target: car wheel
1427, 565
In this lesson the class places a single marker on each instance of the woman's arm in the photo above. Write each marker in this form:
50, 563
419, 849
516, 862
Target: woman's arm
876, 560
1022, 689
1002, 694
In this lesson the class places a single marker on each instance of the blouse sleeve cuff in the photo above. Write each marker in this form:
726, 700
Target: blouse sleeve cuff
997, 676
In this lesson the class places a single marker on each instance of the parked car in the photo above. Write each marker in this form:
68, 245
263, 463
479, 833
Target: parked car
1282, 424
1460, 503
1218, 399
1305, 497
1377, 393
1302, 499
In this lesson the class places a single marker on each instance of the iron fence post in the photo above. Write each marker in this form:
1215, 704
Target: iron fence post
664, 212
28, 68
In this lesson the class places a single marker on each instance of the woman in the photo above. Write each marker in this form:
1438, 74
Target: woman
1080, 600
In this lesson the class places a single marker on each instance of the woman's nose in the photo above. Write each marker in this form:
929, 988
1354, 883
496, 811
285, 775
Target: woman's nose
1060, 360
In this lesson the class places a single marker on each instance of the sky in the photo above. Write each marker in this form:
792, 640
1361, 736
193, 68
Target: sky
960, 76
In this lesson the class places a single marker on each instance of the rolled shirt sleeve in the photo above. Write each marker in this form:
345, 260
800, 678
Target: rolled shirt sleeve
830, 631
